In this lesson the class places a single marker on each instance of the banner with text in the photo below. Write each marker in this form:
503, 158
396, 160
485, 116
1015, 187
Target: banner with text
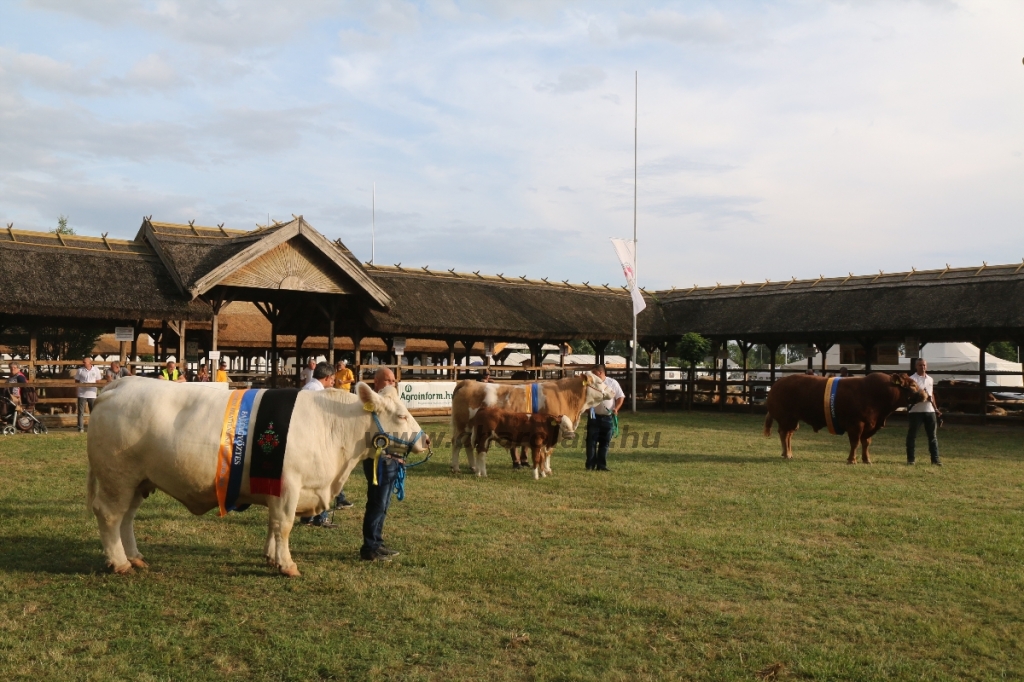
419, 395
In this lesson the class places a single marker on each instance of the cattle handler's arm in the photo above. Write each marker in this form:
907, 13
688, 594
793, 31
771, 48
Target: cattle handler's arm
618, 405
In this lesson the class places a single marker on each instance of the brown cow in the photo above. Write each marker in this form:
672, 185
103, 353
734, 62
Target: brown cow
539, 432
862, 405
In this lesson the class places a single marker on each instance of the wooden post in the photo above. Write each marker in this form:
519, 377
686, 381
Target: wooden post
745, 350
33, 352
215, 332
824, 354
662, 352
357, 341
330, 341
771, 377
983, 380
182, 361
562, 348
451, 361
869, 347
135, 350
723, 388
273, 354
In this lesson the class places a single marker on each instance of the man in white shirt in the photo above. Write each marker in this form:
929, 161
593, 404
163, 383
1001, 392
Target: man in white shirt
321, 377
600, 423
926, 412
86, 374
307, 372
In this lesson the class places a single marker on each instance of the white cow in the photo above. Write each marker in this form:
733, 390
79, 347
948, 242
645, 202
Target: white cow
147, 435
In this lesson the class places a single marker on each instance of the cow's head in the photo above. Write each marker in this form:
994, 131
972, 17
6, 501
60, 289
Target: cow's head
910, 392
392, 419
596, 391
566, 431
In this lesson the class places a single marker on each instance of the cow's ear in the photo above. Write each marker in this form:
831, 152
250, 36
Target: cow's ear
368, 396
896, 380
586, 380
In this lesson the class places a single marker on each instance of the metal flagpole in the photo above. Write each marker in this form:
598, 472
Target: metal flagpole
636, 95
373, 223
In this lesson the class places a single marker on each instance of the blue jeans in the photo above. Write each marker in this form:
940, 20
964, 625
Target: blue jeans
929, 421
378, 497
321, 518
599, 435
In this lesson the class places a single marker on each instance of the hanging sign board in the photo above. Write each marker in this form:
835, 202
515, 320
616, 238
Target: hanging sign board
213, 356
489, 348
399, 345
418, 395
124, 334
912, 347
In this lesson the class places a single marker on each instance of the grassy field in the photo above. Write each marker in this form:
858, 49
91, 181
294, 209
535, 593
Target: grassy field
707, 557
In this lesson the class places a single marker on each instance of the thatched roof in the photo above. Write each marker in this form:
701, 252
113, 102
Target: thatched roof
56, 276
460, 305
937, 305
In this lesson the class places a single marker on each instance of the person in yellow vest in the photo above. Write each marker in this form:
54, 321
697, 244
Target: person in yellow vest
344, 378
171, 373
222, 373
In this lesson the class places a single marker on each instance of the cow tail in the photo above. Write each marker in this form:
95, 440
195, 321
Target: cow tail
768, 425
91, 488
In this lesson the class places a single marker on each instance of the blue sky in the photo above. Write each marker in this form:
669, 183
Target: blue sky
776, 139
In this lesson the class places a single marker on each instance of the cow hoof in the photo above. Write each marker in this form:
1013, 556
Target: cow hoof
850, 461
138, 562
291, 572
271, 562
124, 569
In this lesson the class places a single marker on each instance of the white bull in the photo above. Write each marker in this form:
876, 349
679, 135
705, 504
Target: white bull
147, 435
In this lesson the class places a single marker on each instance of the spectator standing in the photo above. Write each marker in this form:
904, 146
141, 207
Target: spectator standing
322, 377
307, 372
115, 371
86, 374
17, 377
171, 373
344, 377
925, 412
222, 373
378, 496
600, 423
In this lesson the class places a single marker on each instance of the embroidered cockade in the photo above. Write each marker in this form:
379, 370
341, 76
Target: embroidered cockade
268, 439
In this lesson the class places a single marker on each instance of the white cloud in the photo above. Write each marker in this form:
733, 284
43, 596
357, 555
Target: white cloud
578, 79
675, 27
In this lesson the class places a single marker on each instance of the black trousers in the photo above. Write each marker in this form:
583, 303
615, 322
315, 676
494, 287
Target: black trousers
599, 435
930, 423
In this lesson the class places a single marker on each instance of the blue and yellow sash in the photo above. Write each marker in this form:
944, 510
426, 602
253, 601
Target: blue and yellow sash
231, 454
830, 406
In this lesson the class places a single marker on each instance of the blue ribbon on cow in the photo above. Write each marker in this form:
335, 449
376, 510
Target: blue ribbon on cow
535, 398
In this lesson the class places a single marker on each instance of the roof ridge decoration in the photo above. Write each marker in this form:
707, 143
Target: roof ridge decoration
914, 277
296, 228
498, 278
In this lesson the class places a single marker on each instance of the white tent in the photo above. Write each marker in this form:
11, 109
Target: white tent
945, 357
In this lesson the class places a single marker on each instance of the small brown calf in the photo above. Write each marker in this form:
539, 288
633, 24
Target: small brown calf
539, 432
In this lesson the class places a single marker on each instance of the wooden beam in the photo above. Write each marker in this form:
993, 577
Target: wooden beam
182, 361
33, 352
983, 380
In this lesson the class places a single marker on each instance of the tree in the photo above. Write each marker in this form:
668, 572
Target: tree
62, 226
1005, 350
693, 348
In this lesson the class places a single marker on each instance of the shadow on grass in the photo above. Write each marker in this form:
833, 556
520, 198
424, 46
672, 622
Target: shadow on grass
48, 554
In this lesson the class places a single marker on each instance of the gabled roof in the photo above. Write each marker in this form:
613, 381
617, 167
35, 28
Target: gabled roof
201, 258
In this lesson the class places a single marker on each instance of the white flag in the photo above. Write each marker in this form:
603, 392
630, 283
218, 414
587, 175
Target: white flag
627, 257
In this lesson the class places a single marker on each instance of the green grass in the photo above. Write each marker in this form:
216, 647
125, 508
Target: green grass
708, 557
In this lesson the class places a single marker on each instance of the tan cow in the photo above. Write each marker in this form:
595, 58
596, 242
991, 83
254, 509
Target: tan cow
571, 396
